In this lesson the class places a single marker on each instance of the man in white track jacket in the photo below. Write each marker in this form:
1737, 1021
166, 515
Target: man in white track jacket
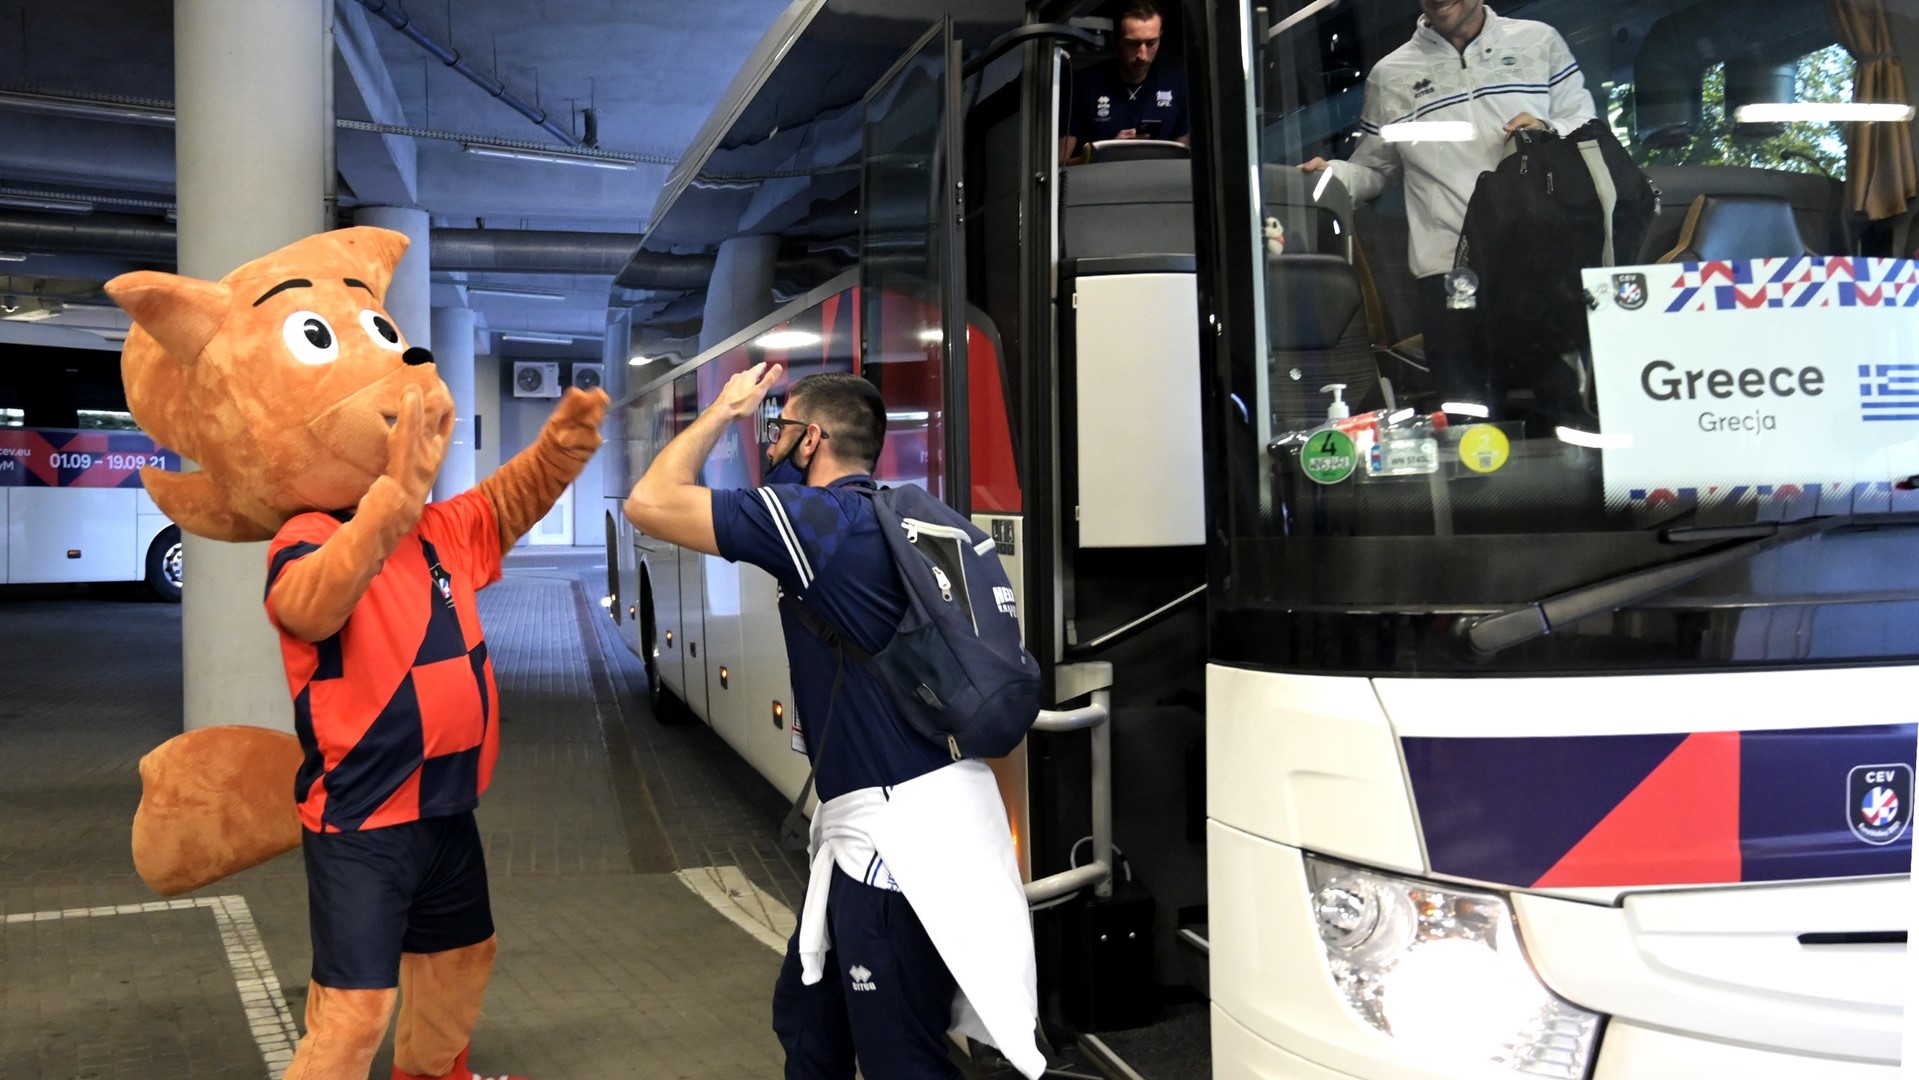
1464, 64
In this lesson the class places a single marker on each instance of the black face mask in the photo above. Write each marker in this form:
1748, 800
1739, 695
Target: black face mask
786, 470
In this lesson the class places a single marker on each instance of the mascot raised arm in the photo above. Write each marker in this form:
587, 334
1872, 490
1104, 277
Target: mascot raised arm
316, 427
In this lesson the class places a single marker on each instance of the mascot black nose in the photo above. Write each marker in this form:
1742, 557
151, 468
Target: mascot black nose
417, 356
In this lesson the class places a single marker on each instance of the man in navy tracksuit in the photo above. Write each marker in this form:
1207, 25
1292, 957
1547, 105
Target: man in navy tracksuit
887, 996
1130, 96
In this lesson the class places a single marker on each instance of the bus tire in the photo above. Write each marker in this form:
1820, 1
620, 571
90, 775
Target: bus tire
665, 706
165, 576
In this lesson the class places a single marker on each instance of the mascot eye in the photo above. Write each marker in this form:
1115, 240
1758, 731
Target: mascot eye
310, 338
381, 331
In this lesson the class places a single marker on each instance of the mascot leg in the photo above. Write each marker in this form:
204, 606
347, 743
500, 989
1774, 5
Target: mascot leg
344, 1030
440, 997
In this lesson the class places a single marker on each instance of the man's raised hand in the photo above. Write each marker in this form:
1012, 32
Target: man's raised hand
742, 394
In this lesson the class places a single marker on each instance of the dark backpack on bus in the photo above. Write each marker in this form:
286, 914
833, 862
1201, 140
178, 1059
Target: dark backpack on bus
954, 667
1554, 206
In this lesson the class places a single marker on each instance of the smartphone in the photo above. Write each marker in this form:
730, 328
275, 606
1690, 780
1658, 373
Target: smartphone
1149, 129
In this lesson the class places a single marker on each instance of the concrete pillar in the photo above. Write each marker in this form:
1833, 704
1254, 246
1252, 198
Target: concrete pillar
741, 291
453, 355
253, 139
409, 297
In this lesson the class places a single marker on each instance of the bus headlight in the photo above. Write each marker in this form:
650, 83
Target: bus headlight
1440, 969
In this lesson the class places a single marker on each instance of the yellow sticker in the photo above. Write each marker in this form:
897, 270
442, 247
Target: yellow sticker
1484, 448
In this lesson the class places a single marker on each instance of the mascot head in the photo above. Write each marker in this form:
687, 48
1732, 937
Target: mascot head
281, 380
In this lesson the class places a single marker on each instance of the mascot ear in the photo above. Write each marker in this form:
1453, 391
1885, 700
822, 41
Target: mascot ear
372, 253
183, 314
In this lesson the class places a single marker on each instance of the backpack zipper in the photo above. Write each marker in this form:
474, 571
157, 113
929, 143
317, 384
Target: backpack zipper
945, 584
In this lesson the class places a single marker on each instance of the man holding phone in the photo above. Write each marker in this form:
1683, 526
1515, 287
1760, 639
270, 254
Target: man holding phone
1130, 97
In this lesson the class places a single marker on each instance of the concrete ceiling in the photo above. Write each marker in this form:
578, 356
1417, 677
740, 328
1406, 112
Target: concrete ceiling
649, 71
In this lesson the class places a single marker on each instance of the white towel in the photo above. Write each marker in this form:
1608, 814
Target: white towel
944, 839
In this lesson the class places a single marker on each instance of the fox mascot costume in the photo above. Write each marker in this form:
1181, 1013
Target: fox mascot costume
317, 428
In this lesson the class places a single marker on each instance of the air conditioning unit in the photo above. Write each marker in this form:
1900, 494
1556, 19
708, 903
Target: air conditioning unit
536, 378
587, 376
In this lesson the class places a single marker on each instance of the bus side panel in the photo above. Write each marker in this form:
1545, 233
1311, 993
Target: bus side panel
6, 534
766, 742
72, 534
720, 649
147, 524
693, 629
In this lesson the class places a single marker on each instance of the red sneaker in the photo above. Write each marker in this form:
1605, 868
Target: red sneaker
459, 1071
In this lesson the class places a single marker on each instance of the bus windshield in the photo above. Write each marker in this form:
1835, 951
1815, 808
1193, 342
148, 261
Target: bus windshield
1612, 302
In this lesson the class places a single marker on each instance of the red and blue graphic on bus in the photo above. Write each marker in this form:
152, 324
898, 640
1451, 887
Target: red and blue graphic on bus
1680, 809
49, 457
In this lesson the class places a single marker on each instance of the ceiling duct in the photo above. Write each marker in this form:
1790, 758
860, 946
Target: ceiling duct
454, 250
398, 20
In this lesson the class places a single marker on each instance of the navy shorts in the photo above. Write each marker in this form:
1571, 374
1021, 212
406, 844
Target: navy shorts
419, 887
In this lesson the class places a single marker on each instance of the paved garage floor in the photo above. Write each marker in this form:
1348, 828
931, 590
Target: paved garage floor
636, 882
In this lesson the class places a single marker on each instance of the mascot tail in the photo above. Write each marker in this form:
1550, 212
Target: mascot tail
214, 802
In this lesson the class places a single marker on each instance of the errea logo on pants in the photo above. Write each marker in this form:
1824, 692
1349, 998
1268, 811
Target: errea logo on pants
862, 978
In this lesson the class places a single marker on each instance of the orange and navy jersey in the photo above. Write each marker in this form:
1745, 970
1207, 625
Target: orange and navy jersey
398, 712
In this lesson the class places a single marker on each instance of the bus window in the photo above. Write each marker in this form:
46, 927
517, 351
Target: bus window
1447, 424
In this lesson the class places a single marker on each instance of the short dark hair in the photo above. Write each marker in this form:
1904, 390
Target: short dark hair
1140, 10
849, 409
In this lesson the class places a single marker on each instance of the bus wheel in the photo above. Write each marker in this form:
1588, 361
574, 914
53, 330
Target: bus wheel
164, 565
662, 702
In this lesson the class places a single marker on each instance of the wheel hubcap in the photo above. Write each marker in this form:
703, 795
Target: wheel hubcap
171, 565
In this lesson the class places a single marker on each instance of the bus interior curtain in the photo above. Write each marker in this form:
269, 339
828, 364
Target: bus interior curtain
1882, 170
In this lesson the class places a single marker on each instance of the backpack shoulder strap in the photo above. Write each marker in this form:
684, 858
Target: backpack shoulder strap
820, 628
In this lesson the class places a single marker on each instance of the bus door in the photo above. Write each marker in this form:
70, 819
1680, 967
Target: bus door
912, 314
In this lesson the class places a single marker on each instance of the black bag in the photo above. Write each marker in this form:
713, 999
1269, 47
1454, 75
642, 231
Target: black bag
955, 666
1534, 223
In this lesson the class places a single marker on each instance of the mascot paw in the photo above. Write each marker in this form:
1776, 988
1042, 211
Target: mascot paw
575, 423
213, 802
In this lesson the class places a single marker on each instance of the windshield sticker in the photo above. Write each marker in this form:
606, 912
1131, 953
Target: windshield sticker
1823, 389
1328, 457
1484, 448
1880, 796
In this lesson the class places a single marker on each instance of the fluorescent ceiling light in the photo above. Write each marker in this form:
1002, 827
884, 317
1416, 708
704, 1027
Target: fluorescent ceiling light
59, 206
932, 337
536, 338
555, 157
13, 256
1823, 112
638, 360
908, 415
58, 105
1428, 131
516, 294
787, 339
1593, 439
1465, 408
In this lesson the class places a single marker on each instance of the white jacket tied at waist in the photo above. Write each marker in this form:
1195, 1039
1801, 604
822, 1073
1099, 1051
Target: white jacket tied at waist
943, 837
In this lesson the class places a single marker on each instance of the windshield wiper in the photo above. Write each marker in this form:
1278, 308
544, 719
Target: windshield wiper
1484, 636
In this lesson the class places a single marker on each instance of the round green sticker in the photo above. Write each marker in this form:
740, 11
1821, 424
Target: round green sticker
1328, 457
